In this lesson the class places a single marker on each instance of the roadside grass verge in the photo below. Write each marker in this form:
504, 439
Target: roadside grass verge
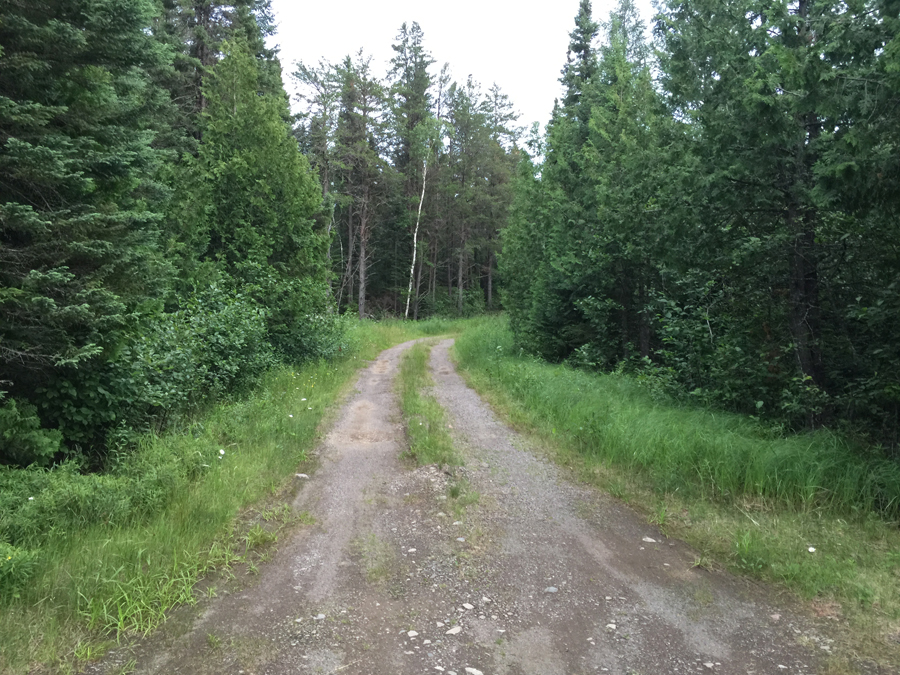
92, 558
426, 424
747, 497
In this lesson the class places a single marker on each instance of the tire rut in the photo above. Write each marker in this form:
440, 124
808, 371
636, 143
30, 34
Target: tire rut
539, 577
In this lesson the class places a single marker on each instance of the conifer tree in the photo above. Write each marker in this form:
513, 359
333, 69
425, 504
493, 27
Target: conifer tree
79, 207
258, 199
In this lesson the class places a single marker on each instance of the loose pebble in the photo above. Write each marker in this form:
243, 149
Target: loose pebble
611, 626
467, 605
460, 539
709, 665
320, 617
473, 671
551, 589
454, 630
301, 475
412, 633
649, 540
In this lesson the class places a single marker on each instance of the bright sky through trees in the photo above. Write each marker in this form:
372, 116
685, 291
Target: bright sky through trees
520, 46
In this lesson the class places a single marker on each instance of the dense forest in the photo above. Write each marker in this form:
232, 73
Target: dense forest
169, 230
713, 209
716, 211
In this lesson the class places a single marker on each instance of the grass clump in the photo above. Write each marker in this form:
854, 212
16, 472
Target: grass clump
809, 511
426, 424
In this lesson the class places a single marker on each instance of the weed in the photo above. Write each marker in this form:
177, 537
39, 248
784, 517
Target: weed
377, 558
213, 640
660, 517
258, 537
703, 561
426, 425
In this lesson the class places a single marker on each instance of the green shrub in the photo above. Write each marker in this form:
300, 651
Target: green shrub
215, 346
22, 440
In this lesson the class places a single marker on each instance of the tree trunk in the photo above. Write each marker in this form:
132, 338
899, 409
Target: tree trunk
418, 287
412, 267
363, 242
645, 323
460, 272
490, 281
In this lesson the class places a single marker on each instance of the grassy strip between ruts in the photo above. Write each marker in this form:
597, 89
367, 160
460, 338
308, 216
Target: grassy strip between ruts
104, 576
805, 511
426, 426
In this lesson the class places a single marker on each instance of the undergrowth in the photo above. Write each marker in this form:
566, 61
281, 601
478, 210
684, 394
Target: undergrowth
809, 511
91, 557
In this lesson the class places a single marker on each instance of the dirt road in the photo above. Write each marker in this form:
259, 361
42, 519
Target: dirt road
402, 571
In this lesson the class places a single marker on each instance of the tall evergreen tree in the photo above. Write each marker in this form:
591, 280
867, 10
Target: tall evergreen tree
79, 207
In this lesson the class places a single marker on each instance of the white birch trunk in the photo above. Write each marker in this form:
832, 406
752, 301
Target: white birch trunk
412, 267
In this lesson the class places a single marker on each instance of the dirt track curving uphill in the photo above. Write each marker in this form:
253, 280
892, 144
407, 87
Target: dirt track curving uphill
540, 577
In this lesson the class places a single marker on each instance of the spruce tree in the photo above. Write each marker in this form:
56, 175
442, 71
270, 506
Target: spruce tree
78, 203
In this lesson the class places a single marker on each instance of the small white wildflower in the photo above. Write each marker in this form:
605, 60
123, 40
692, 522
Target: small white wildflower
309, 408
302, 399
221, 452
811, 549
31, 499
290, 415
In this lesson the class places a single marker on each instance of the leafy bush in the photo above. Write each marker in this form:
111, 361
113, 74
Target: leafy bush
24, 442
215, 346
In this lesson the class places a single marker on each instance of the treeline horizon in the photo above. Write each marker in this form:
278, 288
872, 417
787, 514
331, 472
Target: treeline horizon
716, 211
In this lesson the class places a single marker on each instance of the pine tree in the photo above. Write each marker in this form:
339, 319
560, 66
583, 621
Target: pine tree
78, 204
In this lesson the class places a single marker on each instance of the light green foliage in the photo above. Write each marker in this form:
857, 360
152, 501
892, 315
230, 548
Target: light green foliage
24, 442
256, 199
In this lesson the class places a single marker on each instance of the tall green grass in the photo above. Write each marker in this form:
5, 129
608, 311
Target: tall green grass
102, 556
811, 511
426, 424
716, 455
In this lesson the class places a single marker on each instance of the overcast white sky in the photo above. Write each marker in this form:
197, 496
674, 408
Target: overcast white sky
519, 45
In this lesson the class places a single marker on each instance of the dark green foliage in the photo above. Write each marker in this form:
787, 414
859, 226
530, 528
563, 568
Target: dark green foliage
24, 441
77, 195
727, 231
